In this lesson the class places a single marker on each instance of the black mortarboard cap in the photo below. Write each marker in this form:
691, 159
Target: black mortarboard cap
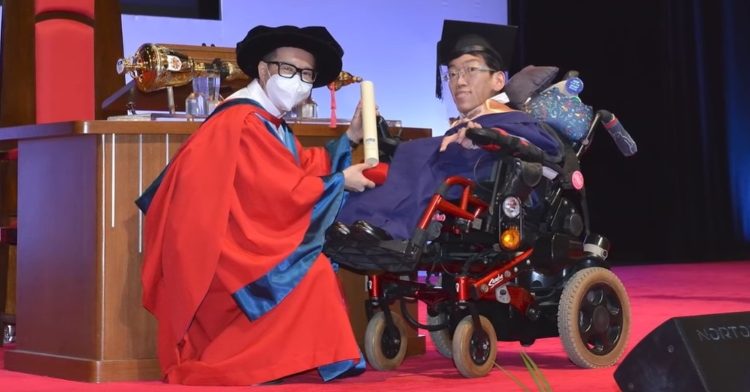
460, 38
316, 40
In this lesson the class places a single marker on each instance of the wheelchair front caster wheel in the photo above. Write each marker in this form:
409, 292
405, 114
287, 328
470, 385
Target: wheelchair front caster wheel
474, 353
385, 347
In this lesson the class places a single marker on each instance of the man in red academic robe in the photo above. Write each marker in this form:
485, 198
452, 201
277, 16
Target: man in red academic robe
233, 268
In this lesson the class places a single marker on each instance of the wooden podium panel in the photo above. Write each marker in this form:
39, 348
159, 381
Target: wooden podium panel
79, 311
79, 251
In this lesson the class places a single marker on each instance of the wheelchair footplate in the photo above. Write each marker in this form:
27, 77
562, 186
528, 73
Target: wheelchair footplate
396, 256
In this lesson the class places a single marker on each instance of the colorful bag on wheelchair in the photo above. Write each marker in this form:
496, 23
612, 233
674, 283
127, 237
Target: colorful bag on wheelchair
565, 113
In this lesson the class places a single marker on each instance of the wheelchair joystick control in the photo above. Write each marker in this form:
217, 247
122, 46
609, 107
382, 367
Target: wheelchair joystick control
596, 245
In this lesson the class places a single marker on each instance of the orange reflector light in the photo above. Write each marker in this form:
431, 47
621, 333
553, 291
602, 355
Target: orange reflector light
510, 238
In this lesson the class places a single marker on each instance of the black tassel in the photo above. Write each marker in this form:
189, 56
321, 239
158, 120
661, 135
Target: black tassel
438, 80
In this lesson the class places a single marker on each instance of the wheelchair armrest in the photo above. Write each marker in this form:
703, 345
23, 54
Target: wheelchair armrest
502, 142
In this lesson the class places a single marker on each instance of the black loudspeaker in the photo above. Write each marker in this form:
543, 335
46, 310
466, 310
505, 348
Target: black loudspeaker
709, 353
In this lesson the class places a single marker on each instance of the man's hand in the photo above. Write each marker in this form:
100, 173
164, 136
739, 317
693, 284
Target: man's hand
355, 132
460, 137
354, 180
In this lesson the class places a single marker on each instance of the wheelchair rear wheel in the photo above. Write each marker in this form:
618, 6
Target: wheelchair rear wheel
441, 339
385, 347
594, 318
474, 353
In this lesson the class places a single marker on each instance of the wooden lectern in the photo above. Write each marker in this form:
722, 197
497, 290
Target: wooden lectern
42, 40
79, 312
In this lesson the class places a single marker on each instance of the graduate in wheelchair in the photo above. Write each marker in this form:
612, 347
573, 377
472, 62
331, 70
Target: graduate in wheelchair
494, 214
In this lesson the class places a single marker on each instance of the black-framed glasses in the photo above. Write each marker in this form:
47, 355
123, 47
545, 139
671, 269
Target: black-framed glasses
286, 70
470, 71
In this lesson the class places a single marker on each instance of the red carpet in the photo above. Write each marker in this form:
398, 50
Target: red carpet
657, 293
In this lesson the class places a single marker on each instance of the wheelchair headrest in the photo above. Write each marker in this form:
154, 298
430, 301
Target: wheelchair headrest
527, 83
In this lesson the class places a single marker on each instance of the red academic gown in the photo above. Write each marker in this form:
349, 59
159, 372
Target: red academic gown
232, 268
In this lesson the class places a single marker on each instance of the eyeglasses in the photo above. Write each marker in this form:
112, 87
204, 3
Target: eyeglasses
288, 71
468, 72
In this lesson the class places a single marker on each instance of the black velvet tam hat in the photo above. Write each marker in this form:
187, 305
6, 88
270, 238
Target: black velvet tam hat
460, 38
262, 40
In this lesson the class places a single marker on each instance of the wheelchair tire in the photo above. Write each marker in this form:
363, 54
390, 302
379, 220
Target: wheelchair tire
442, 339
474, 356
593, 318
384, 349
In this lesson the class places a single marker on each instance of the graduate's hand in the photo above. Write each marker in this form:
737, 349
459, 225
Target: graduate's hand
460, 137
356, 132
354, 180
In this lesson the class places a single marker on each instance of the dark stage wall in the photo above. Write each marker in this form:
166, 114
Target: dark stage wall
661, 67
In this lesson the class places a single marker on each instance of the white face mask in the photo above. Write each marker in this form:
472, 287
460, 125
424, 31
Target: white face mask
287, 93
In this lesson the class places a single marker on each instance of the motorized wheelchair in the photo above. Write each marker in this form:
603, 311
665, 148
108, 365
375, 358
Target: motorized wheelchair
499, 267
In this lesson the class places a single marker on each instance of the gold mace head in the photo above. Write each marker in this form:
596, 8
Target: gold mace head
344, 79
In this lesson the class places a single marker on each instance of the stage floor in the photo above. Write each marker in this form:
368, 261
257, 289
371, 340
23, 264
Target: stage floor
657, 293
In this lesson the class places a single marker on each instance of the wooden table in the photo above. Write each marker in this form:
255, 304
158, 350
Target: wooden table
80, 244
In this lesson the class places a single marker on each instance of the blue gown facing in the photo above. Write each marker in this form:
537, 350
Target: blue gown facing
418, 168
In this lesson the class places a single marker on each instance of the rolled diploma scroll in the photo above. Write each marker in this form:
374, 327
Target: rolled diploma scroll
369, 126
